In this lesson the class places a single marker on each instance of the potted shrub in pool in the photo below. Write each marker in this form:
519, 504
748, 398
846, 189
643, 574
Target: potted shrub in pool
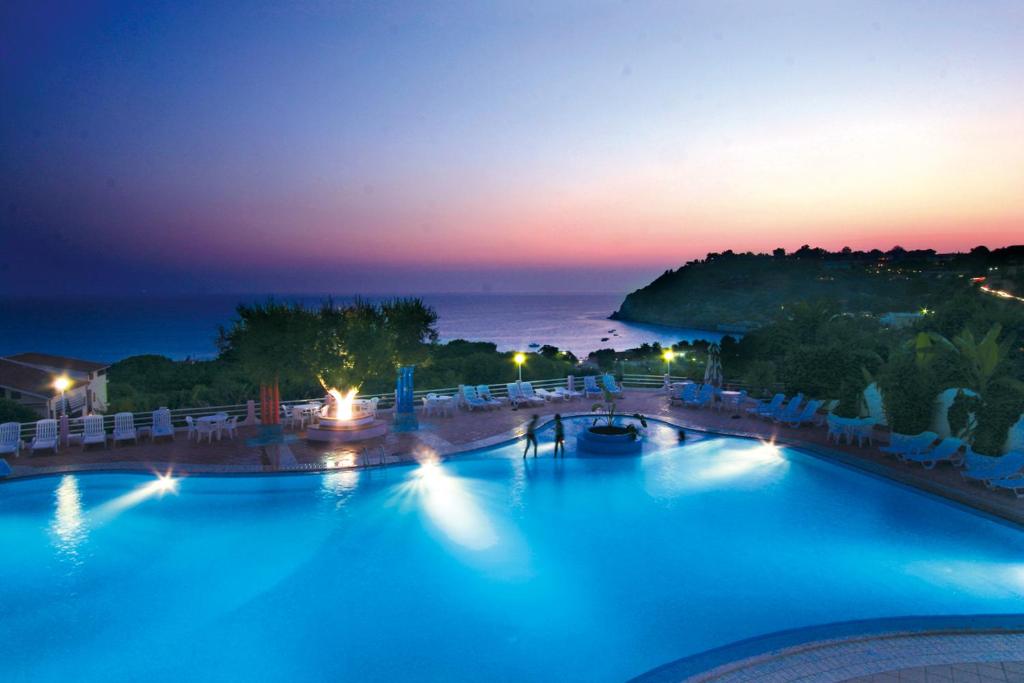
604, 436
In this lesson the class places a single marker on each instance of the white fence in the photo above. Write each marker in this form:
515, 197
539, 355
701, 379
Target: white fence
387, 401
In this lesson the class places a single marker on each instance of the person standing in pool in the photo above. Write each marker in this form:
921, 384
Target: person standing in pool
559, 435
531, 436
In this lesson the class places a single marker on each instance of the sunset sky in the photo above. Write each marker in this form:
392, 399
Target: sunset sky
568, 146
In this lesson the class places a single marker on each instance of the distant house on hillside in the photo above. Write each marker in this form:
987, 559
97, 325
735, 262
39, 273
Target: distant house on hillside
28, 378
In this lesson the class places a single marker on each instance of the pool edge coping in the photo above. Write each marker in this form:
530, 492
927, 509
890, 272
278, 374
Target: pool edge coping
779, 645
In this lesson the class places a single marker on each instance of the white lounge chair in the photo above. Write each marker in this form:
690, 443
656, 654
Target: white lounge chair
686, 392
767, 408
947, 450
705, 395
569, 394
799, 416
93, 431
590, 387
902, 444
484, 393
516, 396
790, 408
10, 438
988, 468
1014, 485
162, 426
46, 438
526, 389
470, 401
124, 428
611, 386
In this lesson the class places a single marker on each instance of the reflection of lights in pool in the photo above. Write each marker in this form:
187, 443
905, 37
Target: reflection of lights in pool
339, 459
988, 578
158, 488
68, 524
165, 483
734, 463
451, 505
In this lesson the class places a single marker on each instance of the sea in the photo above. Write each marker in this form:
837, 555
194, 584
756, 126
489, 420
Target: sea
108, 329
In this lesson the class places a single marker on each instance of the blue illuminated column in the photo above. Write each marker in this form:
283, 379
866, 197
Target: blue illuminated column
405, 406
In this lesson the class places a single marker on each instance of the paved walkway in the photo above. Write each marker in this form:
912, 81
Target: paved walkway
946, 658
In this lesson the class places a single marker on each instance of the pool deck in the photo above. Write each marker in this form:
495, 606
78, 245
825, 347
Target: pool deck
467, 431
912, 657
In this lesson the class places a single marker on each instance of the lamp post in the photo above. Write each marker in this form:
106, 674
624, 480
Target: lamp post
668, 355
519, 359
61, 384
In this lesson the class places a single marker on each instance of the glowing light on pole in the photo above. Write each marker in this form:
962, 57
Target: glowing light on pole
519, 359
668, 355
61, 384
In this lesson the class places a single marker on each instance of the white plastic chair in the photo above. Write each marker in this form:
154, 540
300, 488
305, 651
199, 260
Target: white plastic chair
10, 438
231, 426
93, 431
162, 424
46, 438
205, 428
124, 428
190, 424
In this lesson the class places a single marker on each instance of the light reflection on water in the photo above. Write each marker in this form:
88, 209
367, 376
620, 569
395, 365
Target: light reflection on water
68, 527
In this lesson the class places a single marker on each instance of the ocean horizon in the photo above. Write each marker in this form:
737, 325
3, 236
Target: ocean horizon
109, 328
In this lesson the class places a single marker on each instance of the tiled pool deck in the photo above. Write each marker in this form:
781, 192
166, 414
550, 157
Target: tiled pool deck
946, 658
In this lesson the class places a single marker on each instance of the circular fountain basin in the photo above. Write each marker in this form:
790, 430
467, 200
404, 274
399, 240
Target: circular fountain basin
337, 430
608, 441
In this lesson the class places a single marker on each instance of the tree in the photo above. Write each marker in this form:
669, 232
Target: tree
273, 343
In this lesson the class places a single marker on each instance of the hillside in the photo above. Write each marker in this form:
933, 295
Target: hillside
742, 291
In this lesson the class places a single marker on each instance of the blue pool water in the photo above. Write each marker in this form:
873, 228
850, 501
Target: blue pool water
480, 568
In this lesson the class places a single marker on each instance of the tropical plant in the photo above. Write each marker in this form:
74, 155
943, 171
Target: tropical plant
983, 366
606, 408
981, 361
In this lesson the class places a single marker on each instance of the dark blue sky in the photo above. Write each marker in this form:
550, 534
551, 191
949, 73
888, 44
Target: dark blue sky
460, 146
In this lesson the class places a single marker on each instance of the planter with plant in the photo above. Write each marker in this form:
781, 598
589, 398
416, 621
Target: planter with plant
604, 436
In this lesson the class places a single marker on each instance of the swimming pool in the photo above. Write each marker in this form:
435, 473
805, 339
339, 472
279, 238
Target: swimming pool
484, 567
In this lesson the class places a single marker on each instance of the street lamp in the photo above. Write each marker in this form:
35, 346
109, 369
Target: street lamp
519, 359
668, 355
61, 384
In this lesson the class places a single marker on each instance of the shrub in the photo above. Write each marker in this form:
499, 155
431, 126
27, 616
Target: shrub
760, 377
908, 394
10, 411
1000, 409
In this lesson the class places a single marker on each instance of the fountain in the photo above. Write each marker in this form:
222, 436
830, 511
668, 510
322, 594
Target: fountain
345, 419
